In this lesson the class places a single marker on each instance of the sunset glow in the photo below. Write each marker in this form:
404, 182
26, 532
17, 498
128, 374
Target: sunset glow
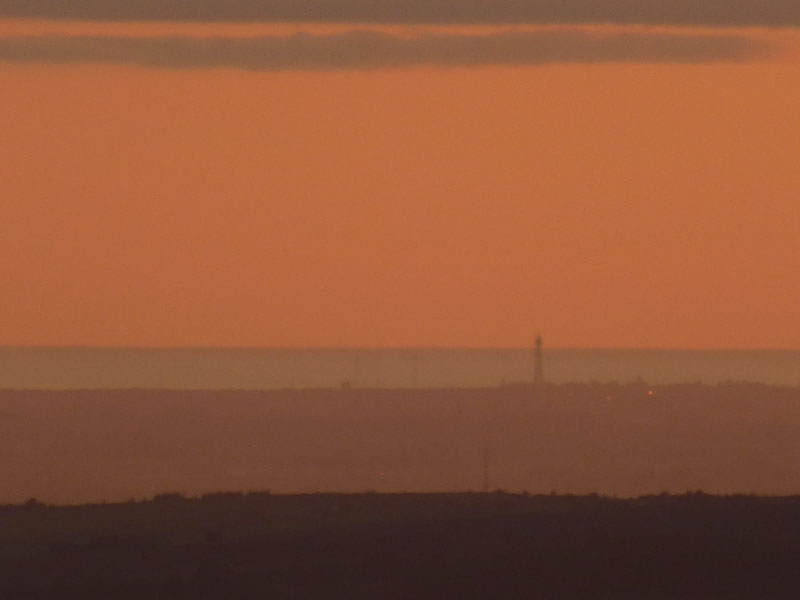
618, 194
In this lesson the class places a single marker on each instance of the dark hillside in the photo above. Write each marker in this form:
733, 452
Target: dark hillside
405, 546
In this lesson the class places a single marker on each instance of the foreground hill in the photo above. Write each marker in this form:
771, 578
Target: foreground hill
439, 546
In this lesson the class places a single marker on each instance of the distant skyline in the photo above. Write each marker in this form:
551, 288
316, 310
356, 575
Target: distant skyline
612, 174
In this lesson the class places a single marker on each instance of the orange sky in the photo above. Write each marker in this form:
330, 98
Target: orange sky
633, 205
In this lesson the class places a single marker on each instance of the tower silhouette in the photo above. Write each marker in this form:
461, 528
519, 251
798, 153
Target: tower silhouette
538, 364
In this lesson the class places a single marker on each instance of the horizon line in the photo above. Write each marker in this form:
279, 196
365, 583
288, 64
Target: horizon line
392, 347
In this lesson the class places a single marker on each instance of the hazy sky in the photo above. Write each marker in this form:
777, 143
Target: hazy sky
614, 173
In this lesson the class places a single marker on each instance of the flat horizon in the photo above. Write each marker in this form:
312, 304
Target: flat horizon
419, 347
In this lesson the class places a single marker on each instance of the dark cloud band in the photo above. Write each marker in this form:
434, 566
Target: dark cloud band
373, 50
774, 13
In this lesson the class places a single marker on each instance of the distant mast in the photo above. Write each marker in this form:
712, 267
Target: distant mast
538, 364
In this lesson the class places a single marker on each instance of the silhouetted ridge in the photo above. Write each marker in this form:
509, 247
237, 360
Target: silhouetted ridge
405, 546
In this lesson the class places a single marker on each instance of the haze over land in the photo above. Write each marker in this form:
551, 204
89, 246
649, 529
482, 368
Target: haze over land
88, 446
394, 368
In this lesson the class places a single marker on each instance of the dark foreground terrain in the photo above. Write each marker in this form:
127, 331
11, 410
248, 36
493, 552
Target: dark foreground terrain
496, 545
